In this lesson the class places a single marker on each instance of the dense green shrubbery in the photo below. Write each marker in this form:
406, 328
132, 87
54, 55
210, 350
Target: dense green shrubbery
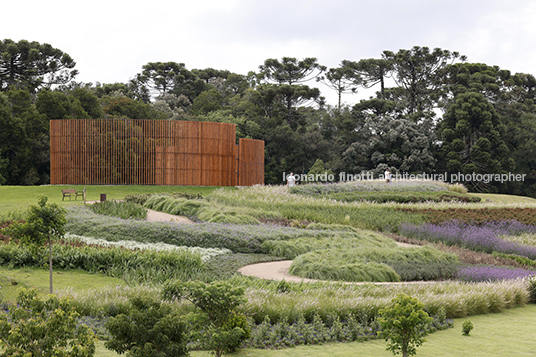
375, 264
282, 334
120, 209
143, 266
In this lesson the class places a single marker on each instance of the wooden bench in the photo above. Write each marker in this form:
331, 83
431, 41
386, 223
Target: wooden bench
70, 193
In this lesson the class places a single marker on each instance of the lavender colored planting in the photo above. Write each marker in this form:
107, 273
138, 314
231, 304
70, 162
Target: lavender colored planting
492, 273
484, 237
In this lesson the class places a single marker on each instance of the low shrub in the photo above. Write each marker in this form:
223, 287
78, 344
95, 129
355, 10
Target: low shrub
467, 327
307, 266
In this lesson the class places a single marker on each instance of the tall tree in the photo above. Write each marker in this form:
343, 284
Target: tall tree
33, 65
24, 139
162, 77
291, 70
341, 80
419, 73
473, 142
45, 222
288, 75
370, 72
400, 144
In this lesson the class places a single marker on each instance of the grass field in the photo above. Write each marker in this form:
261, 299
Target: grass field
508, 199
13, 279
18, 198
509, 334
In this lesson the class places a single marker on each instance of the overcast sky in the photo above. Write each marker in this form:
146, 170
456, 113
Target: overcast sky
111, 40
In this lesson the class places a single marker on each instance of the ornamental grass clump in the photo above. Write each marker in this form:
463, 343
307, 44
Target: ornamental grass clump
125, 210
375, 264
456, 299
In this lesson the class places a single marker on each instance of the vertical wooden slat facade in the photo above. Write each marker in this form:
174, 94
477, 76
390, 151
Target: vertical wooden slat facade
251, 162
152, 152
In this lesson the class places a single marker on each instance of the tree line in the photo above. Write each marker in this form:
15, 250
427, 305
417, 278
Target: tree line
432, 112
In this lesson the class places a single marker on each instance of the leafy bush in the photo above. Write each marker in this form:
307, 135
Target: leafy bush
467, 327
219, 324
149, 329
402, 324
120, 209
35, 327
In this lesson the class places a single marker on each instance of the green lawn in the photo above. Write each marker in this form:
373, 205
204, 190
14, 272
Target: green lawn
13, 279
504, 198
18, 198
509, 334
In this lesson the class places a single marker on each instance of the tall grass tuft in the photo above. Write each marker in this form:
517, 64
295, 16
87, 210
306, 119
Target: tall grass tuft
375, 264
456, 299
125, 210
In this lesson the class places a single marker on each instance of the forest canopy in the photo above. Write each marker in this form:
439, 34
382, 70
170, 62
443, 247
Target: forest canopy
432, 111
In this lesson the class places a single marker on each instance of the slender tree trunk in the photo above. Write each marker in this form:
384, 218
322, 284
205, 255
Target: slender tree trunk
50, 261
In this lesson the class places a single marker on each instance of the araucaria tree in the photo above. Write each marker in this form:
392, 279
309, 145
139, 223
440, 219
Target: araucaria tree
401, 324
33, 65
472, 139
